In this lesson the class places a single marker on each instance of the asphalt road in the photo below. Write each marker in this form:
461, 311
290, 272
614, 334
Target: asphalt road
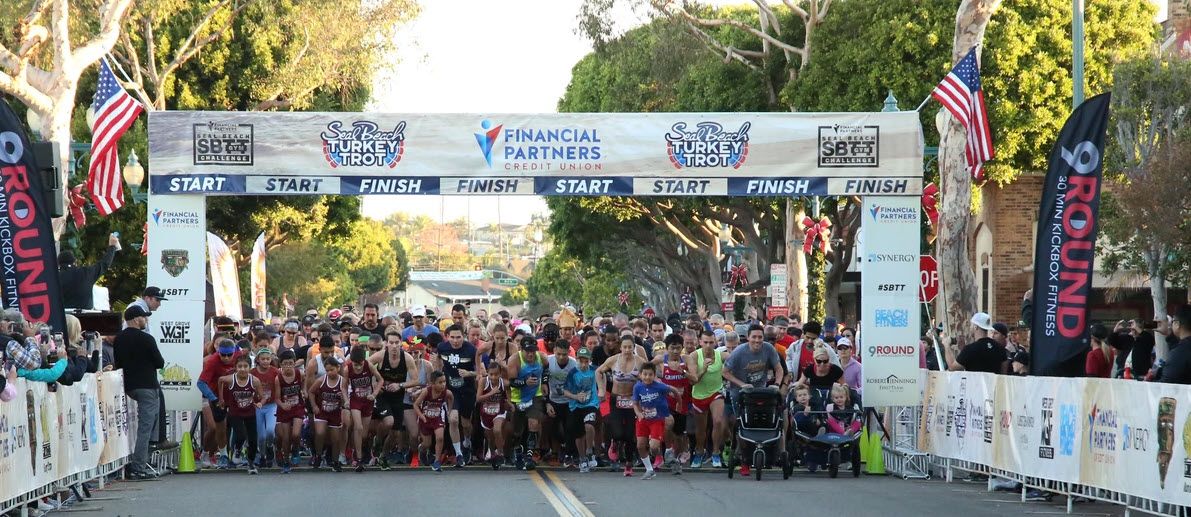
478, 491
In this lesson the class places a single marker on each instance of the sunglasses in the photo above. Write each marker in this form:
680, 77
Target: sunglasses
290, 332
821, 362
226, 355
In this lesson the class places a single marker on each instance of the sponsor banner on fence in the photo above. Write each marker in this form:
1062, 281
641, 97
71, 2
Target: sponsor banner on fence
1125, 436
271, 148
178, 327
177, 233
49, 435
889, 301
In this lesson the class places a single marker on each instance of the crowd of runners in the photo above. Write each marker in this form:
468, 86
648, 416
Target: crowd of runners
365, 391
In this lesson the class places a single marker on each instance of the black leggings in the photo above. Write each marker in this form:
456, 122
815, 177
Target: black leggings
243, 430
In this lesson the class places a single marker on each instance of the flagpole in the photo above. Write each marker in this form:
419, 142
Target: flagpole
924, 101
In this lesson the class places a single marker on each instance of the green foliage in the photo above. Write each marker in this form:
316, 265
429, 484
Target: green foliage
308, 275
367, 255
868, 47
815, 286
515, 296
558, 279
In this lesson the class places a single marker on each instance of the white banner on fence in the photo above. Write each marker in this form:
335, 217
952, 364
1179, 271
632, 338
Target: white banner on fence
177, 233
889, 301
1126, 436
46, 436
178, 327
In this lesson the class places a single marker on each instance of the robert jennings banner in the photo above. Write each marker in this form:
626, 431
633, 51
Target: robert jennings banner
758, 154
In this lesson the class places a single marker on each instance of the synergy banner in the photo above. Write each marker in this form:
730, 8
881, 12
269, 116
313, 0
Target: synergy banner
889, 300
755, 154
1085, 431
1068, 219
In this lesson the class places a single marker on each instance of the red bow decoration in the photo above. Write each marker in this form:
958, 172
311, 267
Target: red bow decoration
821, 229
738, 274
623, 297
930, 203
145, 240
77, 203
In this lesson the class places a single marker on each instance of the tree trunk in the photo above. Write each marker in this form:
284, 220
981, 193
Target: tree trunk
56, 128
956, 277
1155, 263
796, 261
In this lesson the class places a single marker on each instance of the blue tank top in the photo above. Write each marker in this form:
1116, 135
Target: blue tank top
526, 371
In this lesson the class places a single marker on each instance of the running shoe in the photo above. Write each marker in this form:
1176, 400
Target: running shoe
237, 461
459, 463
205, 462
384, 463
373, 462
316, 462
684, 457
295, 458
337, 466
612, 454
285, 466
584, 467
677, 471
697, 461
649, 475
1037, 495
669, 455
251, 469
628, 471
717, 461
414, 461
530, 464
342, 458
436, 466
518, 460
745, 471
657, 462
223, 463
359, 466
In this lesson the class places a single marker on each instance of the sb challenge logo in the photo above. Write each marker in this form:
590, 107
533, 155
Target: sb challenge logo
849, 146
363, 144
707, 144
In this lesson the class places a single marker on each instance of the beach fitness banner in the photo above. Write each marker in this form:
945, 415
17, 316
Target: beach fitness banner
747, 154
1086, 431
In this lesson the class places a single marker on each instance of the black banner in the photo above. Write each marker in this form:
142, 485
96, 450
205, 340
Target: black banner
28, 256
1068, 219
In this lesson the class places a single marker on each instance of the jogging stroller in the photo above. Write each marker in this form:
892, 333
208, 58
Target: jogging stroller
832, 449
760, 422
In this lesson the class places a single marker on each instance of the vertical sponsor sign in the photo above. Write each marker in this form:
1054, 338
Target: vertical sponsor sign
889, 301
224, 280
1068, 219
178, 327
258, 277
177, 227
27, 250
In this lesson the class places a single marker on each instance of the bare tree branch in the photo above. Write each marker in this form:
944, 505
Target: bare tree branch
720, 22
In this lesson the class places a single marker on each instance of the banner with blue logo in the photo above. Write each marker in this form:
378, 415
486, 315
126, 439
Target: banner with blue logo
583, 154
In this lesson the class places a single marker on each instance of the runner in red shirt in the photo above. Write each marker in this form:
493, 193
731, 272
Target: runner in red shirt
240, 393
431, 409
291, 410
219, 364
328, 395
675, 374
365, 383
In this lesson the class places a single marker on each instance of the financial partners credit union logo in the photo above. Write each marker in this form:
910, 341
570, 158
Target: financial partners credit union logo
363, 144
540, 148
707, 145
175, 218
894, 214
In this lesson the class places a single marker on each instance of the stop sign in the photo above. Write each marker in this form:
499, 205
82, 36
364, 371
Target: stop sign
928, 280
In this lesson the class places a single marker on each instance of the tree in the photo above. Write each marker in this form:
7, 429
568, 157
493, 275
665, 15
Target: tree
1148, 209
45, 77
515, 296
368, 256
307, 274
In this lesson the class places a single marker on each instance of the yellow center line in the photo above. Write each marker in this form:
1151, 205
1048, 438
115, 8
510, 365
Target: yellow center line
539, 481
568, 495
558, 495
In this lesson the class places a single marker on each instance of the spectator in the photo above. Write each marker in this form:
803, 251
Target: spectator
150, 299
1100, 358
982, 355
830, 326
1020, 363
78, 361
138, 356
8, 388
853, 375
78, 282
927, 358
1177, 366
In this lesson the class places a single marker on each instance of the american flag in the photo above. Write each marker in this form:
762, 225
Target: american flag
960, 93
115, 111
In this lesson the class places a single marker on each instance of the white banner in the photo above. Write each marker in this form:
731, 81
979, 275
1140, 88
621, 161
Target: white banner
889, 301
178, 327
1037, 419
257, 272
177, 229
224, 280
765, 154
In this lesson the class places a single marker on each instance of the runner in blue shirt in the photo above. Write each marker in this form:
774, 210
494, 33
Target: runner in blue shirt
652, 408
583, 391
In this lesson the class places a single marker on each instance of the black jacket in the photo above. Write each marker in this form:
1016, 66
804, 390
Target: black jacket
78, 281
137, 354
1178, 364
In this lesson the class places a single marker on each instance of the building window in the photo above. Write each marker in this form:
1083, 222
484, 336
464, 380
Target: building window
984, 249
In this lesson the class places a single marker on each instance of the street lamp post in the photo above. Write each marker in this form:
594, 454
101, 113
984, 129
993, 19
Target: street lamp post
134, 174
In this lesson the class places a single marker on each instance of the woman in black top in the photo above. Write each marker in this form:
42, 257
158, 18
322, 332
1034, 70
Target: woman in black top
822, 375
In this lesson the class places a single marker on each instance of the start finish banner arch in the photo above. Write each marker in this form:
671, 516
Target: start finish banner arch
620, 154
878, 156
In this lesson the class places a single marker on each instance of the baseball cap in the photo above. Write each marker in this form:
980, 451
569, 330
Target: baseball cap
524, 327
583, 353
334, 314
291, 326
418, 312
830, 324
1022, 357
154, 292
135, 311
982, 320
1001, 328
529, 344
843, 342
309, 319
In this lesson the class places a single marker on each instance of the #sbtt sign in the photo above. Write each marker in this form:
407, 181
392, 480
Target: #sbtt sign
928, 279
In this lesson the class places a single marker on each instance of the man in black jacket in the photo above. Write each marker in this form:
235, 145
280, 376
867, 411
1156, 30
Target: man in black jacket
78, 282
138, 356
1177, 369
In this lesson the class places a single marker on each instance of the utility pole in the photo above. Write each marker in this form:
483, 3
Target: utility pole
1077, 52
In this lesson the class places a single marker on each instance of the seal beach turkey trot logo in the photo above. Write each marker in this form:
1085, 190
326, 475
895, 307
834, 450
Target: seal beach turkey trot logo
363, 144
707, 145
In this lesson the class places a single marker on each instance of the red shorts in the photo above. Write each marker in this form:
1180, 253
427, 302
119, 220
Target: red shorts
364, 406
429, 426
651, 428
287, 417
704, 405
333, 419
489, 412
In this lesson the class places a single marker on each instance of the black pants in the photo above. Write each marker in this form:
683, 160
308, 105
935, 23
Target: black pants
243, 430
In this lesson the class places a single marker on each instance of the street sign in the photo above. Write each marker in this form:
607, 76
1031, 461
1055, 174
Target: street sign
508, 281
727, 307
775, 311
777, 284
929, 279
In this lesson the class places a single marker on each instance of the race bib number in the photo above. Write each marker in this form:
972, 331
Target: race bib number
624, 403
649, 413
432, 412
330, 407
267, 396
243, 399
455, 382
525, 405
492, 408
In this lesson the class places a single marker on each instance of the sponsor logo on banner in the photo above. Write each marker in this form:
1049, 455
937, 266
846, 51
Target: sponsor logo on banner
892, 318
1023, 426
707, 145
175, 262
1046, 449
897, 258
849, 146
891, 288
363, 144
540, 148
175, 218
219, 143
891, 383
894, 214
1103, 440
175, 332
1067, 418
892, 350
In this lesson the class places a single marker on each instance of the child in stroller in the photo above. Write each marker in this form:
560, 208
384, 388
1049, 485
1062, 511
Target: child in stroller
843, 416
